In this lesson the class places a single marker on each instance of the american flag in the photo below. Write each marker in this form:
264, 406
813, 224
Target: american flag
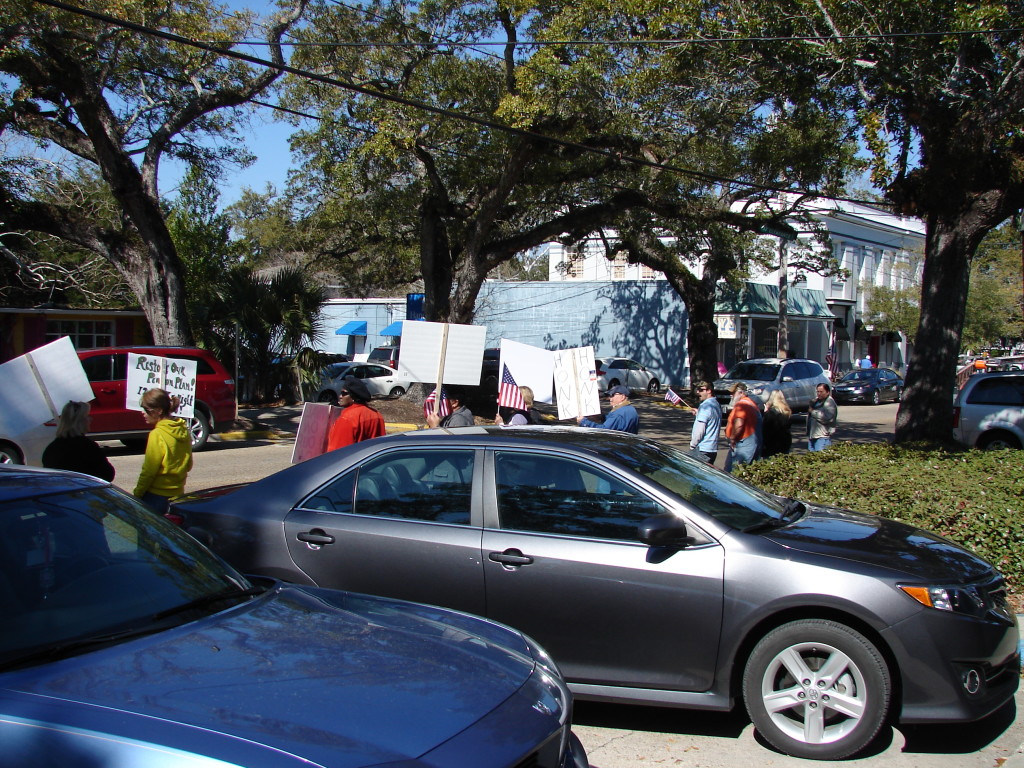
832, 359
508, 392
443, 409
672, 397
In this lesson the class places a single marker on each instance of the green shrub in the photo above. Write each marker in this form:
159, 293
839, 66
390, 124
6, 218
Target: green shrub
975, 498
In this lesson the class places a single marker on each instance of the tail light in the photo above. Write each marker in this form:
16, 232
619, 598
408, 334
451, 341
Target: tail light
176, 518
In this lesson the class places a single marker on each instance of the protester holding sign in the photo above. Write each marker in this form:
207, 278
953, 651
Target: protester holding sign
623, 416
72, 450
358, 421
168, 451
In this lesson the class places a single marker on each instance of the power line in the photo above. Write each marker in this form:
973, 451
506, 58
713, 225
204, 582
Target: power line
218, 49
635, 42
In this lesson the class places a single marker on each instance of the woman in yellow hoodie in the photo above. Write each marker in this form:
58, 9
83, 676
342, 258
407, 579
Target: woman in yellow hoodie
168, 451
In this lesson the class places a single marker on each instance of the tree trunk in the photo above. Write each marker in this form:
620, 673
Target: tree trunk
702, 333
926, 412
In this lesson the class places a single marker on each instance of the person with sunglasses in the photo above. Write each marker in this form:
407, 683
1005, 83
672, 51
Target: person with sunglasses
707, 423
358, 421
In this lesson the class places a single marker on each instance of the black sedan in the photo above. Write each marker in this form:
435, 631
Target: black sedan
651, 577
126, 643
869, 385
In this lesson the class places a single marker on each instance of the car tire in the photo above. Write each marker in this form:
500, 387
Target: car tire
327, 396
876, 397
10, 455
613, 383
817, 719
199, 428
998, 440
396, 392
654, 387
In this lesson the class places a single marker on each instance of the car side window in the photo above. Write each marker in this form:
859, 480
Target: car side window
545, 494
422, 485
1001, 390
100, 367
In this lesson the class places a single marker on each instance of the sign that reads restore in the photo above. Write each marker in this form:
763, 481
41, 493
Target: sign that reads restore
176, 376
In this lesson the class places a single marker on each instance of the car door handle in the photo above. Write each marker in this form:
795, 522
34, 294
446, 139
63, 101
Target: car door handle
315, 537
511, 557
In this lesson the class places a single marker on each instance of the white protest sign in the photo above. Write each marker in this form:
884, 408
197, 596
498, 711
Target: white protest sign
462, 346
576, 383
530, 366
176, 376
37, 385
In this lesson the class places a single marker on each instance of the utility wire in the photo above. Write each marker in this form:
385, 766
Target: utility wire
220, 50
636, 42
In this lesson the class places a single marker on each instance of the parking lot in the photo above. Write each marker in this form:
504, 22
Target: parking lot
619, 736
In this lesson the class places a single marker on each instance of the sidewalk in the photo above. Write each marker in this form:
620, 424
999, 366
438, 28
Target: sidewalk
281, 423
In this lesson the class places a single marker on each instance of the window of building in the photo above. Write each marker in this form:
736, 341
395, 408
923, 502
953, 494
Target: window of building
84, 334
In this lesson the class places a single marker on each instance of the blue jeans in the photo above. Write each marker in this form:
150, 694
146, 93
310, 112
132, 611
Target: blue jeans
819, 443
156, 502
744, 453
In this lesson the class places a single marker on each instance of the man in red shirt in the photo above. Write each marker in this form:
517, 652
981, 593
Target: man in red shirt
743, 428
357, 421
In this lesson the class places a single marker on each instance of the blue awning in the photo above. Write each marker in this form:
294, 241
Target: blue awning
352, 328
395, 329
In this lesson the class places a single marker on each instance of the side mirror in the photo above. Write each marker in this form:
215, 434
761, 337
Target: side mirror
663, 530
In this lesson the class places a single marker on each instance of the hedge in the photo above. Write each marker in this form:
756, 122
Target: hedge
975, 498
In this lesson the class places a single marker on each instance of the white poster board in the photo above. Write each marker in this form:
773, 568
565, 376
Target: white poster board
176, 376
576, 383
36, 386
530, 366
424, 344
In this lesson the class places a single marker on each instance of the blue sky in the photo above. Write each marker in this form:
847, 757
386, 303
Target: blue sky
267, 139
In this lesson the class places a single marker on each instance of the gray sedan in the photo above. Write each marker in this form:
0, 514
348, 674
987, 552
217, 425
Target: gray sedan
650, 577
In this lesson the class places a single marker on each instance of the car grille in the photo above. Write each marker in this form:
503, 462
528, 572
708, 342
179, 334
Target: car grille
993, 592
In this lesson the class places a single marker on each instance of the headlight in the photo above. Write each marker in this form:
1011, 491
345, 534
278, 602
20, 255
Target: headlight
966, 600
754, 390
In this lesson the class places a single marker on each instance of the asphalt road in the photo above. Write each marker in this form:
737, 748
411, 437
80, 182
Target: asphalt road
619, 736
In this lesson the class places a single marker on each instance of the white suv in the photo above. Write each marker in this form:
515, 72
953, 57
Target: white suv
989, 411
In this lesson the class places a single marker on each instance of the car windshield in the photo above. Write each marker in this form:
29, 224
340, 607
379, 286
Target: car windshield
754, 371
336, 369
723, 497
83, 565
858, 376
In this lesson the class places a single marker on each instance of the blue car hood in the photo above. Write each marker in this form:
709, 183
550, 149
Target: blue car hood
881, 542
332, 677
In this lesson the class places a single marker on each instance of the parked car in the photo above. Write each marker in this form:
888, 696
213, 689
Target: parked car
381, 380
613, 371
869, 385
107, 371
989, 411
795, 377
387, 355
651, 577
126, 643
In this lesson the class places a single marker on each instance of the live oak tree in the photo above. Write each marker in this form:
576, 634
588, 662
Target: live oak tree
937, 90
122, 101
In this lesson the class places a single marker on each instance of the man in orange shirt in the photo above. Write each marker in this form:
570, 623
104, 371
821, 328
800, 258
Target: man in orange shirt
743, 428
357, 421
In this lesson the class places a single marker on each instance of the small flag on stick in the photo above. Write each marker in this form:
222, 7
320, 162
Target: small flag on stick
509, 394
443, 409
672, 397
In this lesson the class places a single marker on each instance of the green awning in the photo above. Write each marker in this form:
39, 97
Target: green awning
759, 299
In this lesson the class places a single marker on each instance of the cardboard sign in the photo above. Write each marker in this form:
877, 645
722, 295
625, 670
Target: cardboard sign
37, 385
176, 376
530, 366
576, 383
455, 352
314, 429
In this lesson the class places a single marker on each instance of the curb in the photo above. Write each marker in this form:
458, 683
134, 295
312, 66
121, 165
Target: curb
270, 434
